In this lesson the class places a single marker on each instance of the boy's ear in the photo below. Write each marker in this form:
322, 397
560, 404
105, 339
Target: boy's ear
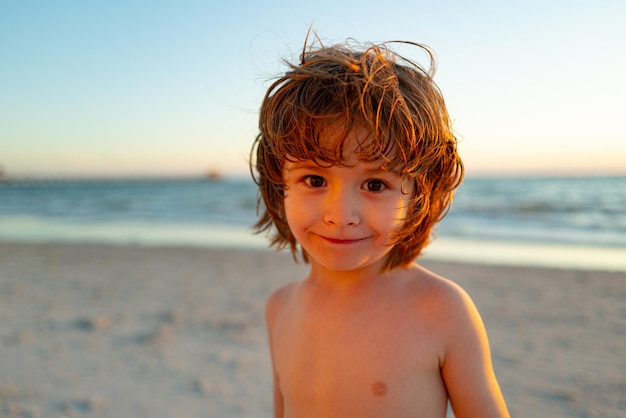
408, 185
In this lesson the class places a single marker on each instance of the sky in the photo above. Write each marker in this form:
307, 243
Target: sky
127, 88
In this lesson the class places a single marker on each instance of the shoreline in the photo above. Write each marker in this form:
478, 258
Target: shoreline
110, 330
24, 230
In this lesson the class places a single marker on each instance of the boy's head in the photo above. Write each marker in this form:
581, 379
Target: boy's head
395, 99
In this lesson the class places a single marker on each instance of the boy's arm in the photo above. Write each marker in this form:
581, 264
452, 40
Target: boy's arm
467, 369
271, 309
278, 399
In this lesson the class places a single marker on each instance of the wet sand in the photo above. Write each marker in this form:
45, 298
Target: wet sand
122, 331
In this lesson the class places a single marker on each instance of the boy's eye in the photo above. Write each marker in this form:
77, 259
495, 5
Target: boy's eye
375, 185
315, 181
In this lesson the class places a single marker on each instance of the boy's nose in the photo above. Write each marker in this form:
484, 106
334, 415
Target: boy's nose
341, 209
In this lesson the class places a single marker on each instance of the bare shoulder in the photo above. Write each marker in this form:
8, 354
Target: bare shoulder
448, 307
437, 291
278, 300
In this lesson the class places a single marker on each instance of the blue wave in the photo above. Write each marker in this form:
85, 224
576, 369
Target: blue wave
576, 211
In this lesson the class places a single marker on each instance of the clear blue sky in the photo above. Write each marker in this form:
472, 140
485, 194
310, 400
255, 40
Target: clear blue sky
173, 87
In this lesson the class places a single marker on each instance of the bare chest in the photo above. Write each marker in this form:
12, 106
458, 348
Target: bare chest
378, 362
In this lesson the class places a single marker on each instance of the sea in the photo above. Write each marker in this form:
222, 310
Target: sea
569, 222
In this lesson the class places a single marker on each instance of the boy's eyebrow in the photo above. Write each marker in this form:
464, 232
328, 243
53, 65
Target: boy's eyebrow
377, 170
310, 165
382, 170
295, 165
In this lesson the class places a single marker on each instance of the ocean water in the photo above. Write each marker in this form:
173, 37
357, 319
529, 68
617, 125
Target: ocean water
559, 222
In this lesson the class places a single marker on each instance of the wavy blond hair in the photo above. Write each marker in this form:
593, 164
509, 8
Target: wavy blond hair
394, 98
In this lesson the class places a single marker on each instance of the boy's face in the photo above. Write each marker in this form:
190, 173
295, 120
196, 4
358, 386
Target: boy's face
343, 215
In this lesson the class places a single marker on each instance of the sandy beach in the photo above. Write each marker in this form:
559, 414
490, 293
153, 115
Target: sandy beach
121, 331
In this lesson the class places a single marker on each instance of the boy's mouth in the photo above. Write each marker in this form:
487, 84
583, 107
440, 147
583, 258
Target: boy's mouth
343, 241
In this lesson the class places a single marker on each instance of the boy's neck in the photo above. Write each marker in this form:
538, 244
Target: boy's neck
352, 280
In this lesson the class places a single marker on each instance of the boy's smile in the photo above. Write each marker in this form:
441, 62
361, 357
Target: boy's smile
343, 241
343, 215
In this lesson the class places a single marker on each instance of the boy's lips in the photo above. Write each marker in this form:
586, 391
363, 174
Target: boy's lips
341, 240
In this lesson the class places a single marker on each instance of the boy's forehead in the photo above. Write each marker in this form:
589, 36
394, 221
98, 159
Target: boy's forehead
344, 143
329, 133
354, 139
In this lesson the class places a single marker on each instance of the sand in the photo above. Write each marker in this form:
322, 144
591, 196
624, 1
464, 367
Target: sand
106, 331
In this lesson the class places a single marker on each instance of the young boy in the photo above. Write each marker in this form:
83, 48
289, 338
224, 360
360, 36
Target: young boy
356, 162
